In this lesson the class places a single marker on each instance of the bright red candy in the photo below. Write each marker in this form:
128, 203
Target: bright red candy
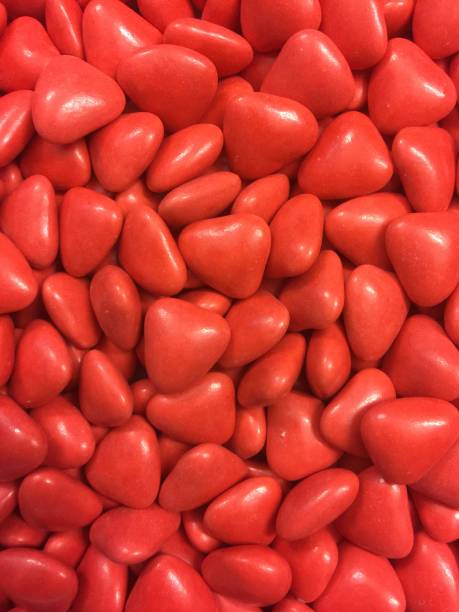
18, 287
63, 23
16, 128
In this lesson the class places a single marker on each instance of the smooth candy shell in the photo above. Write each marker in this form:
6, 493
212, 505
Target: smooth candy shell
64, 111
35, 580
436, 27
173, 82
16, 127
263, 197
160, 14
18, 287
439, 521
63, 24
316, 502
254, 574
419, 429
328, 361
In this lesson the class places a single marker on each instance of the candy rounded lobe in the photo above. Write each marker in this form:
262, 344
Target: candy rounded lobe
50, 499
25, 49
24, 445
29, 217
33, 579
205, 245
407, 89
16, 124
184, 155
316, 502
126, 464
70, 439
267, 25
245, 513
435, 28
209, 300
357, 28
330, 85
67, 303
313, 561
249, 435
263, 197
227, 89
102, 583
63, 112
199, 475
294, 446
229, 51
14, 531
439, 521
362, 581
122, 150
429, 576
273, 374
315, 298
379, 520
18, 287
253, 574
66, 166
8, 499
256, 324
420, 429
424, 251
203, 197
264, 132
112, 31
374, 311
104, 394
296, 232
146, 238
168, 582
160, 14
424, 158
341, 418
328, 361
204, 412
90, 224
63, 24
171, 81
43, 366
326, 170
129, 536
423, 360
175, 331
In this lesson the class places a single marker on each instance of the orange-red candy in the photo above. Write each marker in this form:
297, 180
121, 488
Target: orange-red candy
296, 232
14, 531
227, 89
35, 580
245, 513
42, 368
268, 24
265, 132
25, 49
439, 521
201, 474
263, 197
171, 81
229, 51
16, 127
125, 466
451, 316
436, 27
273, 374
205, 245
360, 164
146, 239
341, 417
184, 155
122, 150
203, 197
112, 31
295, 447
63, 24
407, 88
204, 412
69, 436
330, 85
67, 546
90, 224
178, 331
328, 361
375, 309
315, 298
249, 435
65, 110
316, 502
160, 13
379, 520
254, 574
312, 561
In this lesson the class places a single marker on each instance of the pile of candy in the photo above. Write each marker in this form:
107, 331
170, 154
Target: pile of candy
229, 306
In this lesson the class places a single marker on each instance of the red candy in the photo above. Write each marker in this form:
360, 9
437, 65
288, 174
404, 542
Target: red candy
229, 306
